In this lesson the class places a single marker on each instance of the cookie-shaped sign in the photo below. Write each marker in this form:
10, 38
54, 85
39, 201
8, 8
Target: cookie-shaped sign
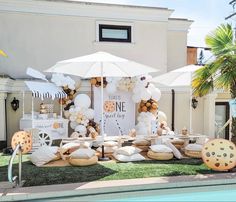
219, 154
24, 139
109, 106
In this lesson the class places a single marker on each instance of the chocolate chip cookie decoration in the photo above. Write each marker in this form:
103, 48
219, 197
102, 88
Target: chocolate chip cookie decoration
219, 154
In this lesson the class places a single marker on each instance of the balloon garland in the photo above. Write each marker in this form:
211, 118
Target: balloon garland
143, 92
148, 106
69, 86
97, 81
81, 117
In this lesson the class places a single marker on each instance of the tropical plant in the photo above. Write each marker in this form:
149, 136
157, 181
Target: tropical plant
221, 72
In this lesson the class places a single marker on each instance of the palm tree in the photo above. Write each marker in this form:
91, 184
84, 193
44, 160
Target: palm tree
221, 72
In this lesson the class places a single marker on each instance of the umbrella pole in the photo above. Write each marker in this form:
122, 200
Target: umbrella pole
103, 157
190, 108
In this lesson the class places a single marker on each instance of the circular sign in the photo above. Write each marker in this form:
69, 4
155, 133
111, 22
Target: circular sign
219, 154
24, 139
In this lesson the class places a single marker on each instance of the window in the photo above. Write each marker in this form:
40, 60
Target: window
114, 33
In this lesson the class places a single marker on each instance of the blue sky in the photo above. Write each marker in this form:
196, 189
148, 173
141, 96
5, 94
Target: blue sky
207, 14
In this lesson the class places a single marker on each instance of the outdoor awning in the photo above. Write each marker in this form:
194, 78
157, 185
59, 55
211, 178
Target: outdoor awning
45, 90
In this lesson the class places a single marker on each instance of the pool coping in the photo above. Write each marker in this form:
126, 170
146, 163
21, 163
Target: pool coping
114, 186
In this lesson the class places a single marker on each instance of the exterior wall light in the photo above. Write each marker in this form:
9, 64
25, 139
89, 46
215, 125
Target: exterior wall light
15, 104
194, 103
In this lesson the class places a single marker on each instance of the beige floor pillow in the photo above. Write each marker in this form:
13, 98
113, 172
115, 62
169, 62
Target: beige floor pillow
141, 142
83, 162
160, 155
193, 154
143, 148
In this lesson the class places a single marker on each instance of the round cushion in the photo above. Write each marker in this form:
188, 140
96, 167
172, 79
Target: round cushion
177, 141
83, 162
193, 154
219, 154
141, 142
24, 139
160, 155
194, 147
143, 148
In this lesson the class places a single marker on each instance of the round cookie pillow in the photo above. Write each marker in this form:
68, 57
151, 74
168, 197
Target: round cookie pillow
219, 154
162, 156
83, 162
24, 139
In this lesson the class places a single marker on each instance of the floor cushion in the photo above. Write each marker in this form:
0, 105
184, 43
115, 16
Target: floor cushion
143, 148
42, 156
160, 155
82, 154
108, 150
110, 144
175, 151
194, 147
161, 148
141, 142
193, 154
128, 150
178, 143
83, 162
124, 158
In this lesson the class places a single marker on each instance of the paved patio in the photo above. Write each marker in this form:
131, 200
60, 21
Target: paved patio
8, 193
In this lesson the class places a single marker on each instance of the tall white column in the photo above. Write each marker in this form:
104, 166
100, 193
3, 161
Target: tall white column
209, 115
3, 97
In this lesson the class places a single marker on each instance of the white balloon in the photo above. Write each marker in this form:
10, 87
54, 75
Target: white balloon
162, 116
72, 118
136, 98
111, 88
151, 87
82, 100
81, 129
156, 95
89, 113
73, 124
149, 78
71, 110
77, 109
146, 94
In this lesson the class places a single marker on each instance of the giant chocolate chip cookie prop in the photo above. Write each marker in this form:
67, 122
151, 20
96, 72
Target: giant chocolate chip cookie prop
24, 139
219, 154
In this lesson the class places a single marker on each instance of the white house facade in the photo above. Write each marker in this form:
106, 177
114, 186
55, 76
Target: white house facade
38, 33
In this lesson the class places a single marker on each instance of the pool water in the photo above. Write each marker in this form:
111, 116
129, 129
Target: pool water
225, 195
219, 193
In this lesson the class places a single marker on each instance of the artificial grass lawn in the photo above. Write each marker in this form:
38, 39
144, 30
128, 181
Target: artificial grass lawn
103, 171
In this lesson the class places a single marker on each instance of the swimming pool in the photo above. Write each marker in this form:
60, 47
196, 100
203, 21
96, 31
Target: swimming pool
198, 194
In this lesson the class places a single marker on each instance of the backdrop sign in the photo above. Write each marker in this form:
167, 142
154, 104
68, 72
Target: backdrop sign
119, 111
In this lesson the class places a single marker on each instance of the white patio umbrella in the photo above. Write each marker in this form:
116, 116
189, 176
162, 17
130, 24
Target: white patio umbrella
179, 77
101, 64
